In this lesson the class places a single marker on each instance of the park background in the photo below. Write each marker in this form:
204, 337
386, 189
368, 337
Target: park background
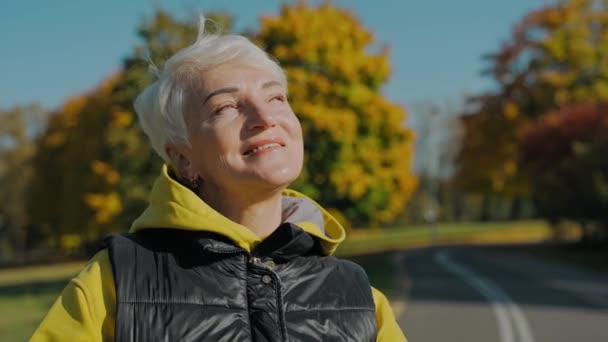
425, 123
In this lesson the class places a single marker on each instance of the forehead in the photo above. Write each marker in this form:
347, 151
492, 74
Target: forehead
232, 75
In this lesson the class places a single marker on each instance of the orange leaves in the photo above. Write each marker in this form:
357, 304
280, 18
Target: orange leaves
510, 167
122, 118
511, 111
54, 139
71, 109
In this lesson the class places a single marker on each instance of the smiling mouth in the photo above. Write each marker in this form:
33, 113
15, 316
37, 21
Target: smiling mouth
262, 147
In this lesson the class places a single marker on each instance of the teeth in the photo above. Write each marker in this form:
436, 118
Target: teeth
259, 148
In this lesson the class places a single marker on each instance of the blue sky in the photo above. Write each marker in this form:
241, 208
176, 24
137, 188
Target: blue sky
51, 50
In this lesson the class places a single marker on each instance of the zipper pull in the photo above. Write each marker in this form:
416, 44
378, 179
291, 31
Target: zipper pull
269, 264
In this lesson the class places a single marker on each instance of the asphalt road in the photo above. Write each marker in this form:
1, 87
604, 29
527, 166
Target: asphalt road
498, 294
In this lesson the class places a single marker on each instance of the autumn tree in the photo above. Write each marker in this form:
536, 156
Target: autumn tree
18, 128
72, 191
557, 55
358, 153
565, 154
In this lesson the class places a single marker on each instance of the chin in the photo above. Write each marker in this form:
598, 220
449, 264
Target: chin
280, 178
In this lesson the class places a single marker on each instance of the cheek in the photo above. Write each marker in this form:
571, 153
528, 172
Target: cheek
299, 141
209, 148
218, 140
294, 127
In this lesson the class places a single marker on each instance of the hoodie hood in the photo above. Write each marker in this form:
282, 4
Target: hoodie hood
174, 206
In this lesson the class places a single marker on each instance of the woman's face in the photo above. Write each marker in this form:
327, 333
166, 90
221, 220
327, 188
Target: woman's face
242, 130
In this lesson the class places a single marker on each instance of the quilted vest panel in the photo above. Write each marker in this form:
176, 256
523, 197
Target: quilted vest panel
185, 286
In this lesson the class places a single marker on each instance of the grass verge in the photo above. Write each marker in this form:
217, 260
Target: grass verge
26, 294
371, 241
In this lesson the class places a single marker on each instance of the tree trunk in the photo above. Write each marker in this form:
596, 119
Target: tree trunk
484, 215
515, 212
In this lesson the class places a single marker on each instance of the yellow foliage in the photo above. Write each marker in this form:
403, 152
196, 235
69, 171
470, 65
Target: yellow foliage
105, 205
511, 111
510, 167
335, 81
99, 167
72, 108
109, 83
600, 88
122, 118
55, 139
498, 183
70, 242
110, 175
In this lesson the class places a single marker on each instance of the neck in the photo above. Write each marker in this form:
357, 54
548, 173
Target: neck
261, 214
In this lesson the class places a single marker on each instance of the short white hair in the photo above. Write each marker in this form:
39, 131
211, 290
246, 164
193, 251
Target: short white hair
160, 107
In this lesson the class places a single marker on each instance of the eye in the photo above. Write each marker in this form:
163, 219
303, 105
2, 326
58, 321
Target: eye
225, 108
278, 97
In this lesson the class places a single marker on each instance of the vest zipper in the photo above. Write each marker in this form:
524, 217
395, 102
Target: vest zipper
268, 266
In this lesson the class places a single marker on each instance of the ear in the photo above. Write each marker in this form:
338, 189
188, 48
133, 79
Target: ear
180, 162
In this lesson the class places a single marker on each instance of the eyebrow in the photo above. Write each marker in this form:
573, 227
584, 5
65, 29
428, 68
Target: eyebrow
235, 89
270, 84
221, 91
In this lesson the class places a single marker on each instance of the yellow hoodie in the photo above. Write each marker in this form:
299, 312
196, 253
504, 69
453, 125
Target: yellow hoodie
85, 310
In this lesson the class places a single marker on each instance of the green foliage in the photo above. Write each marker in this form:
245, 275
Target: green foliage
358, 154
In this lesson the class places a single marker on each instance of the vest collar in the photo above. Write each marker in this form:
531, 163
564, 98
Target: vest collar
285, 243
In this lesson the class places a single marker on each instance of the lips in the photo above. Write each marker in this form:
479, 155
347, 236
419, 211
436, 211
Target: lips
263, 145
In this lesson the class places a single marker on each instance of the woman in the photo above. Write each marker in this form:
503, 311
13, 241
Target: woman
223, 252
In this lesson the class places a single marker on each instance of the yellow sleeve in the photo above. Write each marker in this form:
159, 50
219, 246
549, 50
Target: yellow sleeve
85, 310
388, 329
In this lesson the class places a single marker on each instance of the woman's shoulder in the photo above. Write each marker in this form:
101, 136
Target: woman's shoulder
98, 271
95, 282
86, 305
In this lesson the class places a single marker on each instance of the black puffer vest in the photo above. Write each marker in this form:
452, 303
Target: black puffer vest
176, 285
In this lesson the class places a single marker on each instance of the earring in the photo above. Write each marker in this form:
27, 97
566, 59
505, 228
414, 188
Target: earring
194, 184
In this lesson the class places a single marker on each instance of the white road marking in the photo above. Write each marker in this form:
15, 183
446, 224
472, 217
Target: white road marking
507, 313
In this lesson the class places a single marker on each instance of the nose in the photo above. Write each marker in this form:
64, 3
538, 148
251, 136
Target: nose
260, 117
